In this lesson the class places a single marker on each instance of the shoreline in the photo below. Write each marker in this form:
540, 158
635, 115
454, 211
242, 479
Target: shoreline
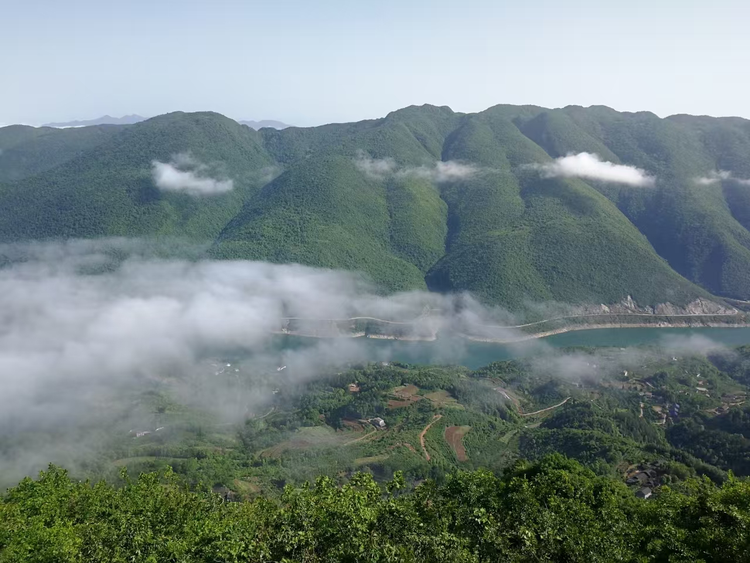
529, 336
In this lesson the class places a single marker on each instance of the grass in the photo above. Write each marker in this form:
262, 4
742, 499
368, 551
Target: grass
443, 398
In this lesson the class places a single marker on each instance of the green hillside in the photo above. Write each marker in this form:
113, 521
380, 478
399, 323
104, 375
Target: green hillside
109, 191
424, 197
25, 151
508, 462
696, 228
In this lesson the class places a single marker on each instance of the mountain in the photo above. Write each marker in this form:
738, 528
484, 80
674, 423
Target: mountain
104, 120
110, 189
25, 151
265, 123
517, 204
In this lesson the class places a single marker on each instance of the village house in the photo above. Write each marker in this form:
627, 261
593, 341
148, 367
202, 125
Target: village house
377, 422
644, 493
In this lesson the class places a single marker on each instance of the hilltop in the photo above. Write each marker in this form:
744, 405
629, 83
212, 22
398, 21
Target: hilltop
516, 204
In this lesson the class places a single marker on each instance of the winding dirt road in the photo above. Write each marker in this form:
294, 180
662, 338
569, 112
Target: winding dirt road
545, 410
421, 435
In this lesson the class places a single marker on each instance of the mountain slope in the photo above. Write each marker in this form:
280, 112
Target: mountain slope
25, 151
519, 237
110, 190
696, 226
422, 197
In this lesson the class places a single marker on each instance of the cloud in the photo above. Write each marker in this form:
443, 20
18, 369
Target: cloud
439, 172
87, 327
85, 323
442, 171
373, 167
185, 174
716, 176
590, 166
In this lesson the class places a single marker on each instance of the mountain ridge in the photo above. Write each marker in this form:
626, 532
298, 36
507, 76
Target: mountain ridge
428, 197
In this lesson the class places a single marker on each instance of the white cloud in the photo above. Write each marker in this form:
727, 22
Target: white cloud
716, 176
374, 167
442, 171
78, 327
185, 174
590, 166
439, 172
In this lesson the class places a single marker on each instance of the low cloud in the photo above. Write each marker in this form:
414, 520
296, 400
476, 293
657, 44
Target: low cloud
85, 323
439, 172
375, 167
183, 173
87, 327
589, 166
448, 171
716, 176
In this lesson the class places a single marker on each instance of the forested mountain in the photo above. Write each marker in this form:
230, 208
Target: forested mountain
515, 203
25, 151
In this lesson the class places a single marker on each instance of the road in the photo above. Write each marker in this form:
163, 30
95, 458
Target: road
547, 409
422, 434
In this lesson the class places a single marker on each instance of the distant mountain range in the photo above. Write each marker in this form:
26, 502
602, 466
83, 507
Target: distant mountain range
132, 119
104, 120
516, 204
265, 123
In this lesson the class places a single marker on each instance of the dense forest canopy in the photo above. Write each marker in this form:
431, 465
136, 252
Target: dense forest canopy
553, 510
515, 203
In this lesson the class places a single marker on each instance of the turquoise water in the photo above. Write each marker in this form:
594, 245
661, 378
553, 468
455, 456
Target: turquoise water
477, 354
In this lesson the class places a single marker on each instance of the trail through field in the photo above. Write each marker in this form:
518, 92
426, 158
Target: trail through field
547, 409
368, 435
421, 435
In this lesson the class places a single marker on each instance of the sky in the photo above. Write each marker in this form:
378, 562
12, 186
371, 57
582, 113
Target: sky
308, 62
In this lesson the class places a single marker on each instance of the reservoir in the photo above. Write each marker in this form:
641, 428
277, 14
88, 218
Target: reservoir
477, 354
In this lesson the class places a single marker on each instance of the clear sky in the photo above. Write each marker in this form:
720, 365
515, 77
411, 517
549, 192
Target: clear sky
308, 62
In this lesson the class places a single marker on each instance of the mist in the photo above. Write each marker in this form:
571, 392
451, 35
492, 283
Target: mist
183, 173
717, 176
439, 172
85, 323
86, 327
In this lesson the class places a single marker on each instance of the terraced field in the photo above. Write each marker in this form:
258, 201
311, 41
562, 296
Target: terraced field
454, 436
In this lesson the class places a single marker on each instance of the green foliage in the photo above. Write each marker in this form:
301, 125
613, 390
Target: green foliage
25, 151
503, 232
553, 510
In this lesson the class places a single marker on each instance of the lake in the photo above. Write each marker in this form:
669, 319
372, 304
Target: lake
477, 354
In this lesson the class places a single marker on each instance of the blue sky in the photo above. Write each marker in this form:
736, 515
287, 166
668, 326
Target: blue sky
311, 62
